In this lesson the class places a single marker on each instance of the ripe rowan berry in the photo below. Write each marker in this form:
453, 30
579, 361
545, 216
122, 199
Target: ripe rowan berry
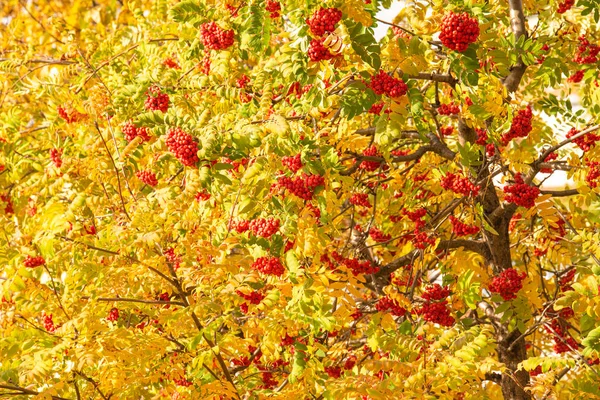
458, 31
324, 20
156, 100
520, 126
459, 185
182, 145
461, 229
216, 38
32, 262
318, 52
382, 83
565, 6
521, 193
269, 266
55, 157
507, 283
148, 177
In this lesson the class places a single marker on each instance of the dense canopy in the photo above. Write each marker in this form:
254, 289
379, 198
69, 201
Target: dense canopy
226, 199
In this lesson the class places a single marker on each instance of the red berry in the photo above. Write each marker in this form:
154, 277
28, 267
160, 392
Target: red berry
507, 283
32, 262
214, 37
273, 7
565, 6
269, 266
585, 142
148, 177
520, 127
113, 315
156, 100
458, 31
461, 229
388, 304
360, 199
576, 77
324, 20
293, 163
587, 53
521, 193
459, 185
448, 109
317, 51
55, 156
264, 227
382, 83
182, 145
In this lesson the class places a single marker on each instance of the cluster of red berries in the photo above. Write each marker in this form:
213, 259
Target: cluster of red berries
576, 77
242, 81
552, 156
269, 266
156, 100
521, 193
333, 371
587, 53
360, 199
435, 309
593, 174
203, 195
459, 185
482, 137
204, 64
421, 239
264, 227
302, 186
294, 163
131, 132
565, 6
32, 262
317, 51
448, 109
240, 226
376, 108
371, 165
459, 228
182, 382
171, 63
172, 258
563, 342
378, 236
436, 292
400, 153
253, 297
565, 281
382, 83
508, 283
386, 303
148, 177
520, 126
585, 142
71, 116
182, 145
55, 157
458, 31
324, 20
48, 323
314, 210
446, 130
273, 7
359, 267
113, 315
214, 37
8, 209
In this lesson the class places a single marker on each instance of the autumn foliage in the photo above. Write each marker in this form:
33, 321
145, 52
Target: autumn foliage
299, 200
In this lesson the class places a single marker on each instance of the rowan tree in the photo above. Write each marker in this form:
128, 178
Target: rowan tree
258, 199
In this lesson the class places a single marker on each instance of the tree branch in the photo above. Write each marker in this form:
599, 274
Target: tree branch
517, 21
27, 392
128, 300
561, 193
